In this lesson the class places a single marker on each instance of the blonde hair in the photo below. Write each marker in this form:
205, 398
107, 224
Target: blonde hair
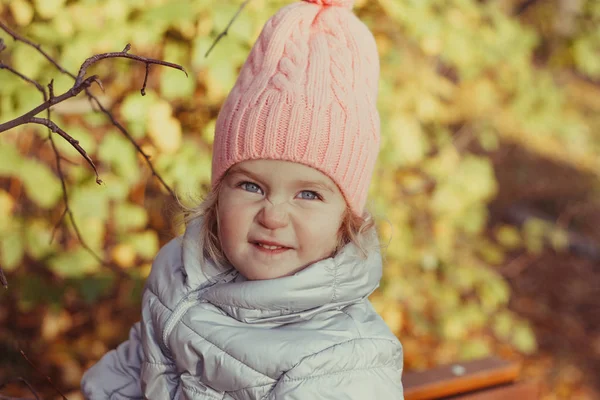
353, 229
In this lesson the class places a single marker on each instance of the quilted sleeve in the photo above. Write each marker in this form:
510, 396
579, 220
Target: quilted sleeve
117, 374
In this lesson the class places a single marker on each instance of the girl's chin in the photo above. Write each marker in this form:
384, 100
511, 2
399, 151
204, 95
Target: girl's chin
265, 272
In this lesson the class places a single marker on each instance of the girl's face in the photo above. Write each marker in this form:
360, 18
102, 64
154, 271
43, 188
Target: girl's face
277, 217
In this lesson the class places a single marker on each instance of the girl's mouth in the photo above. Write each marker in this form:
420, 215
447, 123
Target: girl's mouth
271, 248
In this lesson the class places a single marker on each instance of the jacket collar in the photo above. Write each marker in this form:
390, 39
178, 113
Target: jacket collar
328, 284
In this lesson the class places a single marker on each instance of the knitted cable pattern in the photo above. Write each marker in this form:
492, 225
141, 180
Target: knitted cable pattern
307, 94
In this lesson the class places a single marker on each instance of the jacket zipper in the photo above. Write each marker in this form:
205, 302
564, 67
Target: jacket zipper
187, 302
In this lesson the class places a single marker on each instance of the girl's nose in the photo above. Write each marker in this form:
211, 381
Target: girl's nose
272, 216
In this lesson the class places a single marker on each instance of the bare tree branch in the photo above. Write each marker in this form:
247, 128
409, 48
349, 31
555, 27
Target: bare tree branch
226, 31
3, 280
94, 100
122, 54
20, 379
134, 143
75, 143
62, 217
52, 127
28, 116
20, 38
41, 374
20, 75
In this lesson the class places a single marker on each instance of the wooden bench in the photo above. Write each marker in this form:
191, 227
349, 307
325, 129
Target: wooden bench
485, 379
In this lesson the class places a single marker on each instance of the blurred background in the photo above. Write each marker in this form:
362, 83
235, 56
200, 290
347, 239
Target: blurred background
487, 188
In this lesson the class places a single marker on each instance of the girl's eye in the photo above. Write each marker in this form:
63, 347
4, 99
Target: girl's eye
309, 195
250, 187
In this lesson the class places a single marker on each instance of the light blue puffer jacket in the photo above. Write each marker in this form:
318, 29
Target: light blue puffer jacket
215, 335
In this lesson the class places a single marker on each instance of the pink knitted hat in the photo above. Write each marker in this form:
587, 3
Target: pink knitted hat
307, 93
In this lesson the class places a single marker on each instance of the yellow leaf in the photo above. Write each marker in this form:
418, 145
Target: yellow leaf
123, 255
163, 128
407, 139
54, 324
22, 12
49, 8
394, 317
7, 204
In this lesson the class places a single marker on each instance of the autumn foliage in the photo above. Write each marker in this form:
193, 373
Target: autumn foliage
461, 80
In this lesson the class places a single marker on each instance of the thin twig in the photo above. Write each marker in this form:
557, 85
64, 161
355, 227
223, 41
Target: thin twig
94, 100
62, 217
29, 386
134, 143
51, 93
41, 374
121, 54
52, 127
20, 38
69, 212
143, 90
40, 88
20, 75
3, 280
75, 143
65, 159
224, 33
28, 116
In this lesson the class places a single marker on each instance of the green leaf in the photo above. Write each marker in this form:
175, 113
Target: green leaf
472, 182
406, 142
12, 250
175, 84
145, 244
585, 51
453, 326
41, 185
135, 110
7, 204
89, 201
93, 231
34, 290
120, 154
508, 236
11, 160
129, 216
74, 263
524, 338
38, 236
22, 12
475, 348
91, 288
189, 169
85, 138
493, 291
533, 234
503, 325
49, 8
490, 252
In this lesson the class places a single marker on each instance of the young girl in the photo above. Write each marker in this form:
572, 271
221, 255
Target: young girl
265, 295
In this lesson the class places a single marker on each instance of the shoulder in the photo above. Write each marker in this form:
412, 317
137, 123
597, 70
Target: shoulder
352, 355
371, 344
366, 321
167, 276
360, 368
